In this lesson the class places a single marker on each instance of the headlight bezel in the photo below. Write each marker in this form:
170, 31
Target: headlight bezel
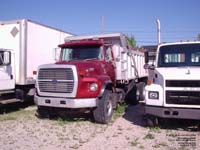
153, 95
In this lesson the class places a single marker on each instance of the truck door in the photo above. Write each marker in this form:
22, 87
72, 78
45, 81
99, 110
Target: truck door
110, 64
7, 81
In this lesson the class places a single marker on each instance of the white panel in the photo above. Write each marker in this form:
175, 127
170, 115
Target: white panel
41, 43
9, 39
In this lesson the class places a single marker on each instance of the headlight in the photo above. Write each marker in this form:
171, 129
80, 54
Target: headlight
153, 95
93, 87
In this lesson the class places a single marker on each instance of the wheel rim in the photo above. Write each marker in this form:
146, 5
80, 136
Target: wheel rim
137, 95
109, 108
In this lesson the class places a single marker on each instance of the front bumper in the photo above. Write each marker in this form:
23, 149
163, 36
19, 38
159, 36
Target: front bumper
181, 113
65, 102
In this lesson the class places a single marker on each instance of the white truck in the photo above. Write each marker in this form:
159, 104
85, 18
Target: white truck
24, 45
94, 72
174, 89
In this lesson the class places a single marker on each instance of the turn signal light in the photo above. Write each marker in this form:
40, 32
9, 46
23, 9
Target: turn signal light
149, 82
82, 73
34, 72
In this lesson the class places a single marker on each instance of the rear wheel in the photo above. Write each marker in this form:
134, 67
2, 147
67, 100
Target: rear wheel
136, 94
131, 96
103, 112
140, 91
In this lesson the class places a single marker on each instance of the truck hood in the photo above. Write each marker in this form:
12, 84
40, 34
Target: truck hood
179, 73
80, 63
89, 67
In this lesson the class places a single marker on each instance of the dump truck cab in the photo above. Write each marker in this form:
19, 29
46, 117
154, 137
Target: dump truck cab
93, 72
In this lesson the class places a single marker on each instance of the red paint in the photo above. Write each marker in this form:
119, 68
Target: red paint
82, 43
90, 71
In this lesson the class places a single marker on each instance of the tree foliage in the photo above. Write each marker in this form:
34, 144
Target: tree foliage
132, 42
198, 37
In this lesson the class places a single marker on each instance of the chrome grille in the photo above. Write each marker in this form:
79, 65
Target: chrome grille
182, 83
56, 73
56, 80
183, 97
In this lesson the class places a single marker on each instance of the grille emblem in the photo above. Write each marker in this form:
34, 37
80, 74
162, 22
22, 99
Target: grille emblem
54, 81
188, 72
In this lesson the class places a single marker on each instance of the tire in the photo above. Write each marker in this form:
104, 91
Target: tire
136, 94
45, 112
103, 112
40, 112
132, 97
152, 121
140, 91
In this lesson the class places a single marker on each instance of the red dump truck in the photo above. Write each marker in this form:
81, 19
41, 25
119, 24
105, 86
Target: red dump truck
94, 72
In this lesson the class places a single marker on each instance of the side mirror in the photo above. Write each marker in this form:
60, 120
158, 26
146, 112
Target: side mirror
146, 66
56, 54
150, 67
146, 57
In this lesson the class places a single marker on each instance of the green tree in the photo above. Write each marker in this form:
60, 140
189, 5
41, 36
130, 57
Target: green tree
132, 42
198, 37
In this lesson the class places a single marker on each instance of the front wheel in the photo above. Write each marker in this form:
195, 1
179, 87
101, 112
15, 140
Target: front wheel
152, 121
42, 112
103, 112
45, 112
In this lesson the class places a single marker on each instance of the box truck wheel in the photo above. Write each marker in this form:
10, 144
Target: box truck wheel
103, 112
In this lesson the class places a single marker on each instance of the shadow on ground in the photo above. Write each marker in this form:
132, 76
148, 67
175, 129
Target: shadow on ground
63, 114
8, 108
136, 115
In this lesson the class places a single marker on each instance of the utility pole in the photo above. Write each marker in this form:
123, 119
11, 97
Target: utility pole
102, 24
158, 31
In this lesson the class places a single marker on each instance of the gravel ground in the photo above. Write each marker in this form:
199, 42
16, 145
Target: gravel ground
21, 129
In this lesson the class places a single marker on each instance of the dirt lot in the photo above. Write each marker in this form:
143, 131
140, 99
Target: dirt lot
21, 129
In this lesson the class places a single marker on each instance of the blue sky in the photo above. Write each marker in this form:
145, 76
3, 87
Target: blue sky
180, 19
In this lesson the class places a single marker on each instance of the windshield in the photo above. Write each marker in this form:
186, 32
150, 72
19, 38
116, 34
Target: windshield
81, 53
179, 55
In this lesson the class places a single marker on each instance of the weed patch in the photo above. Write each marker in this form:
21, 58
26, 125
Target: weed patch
149, 136
119, 111
135, 142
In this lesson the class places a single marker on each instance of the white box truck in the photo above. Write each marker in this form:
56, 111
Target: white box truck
174, 91
24, 45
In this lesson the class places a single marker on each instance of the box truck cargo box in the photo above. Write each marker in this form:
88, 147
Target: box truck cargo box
24, 45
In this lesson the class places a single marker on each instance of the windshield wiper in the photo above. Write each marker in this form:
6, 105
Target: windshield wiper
90, 59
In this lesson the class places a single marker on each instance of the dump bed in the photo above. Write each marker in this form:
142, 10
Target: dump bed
129, 63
